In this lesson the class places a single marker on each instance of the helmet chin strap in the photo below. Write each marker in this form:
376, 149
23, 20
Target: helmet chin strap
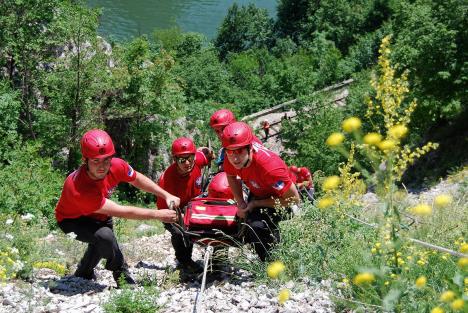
248, 159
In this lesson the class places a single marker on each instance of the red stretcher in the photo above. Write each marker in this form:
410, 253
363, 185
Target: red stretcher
210, 221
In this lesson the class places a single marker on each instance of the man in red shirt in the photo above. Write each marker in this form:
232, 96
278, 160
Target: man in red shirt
84, 208
183, 178
267, 177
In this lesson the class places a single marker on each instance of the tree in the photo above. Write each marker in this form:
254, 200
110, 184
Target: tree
242, 29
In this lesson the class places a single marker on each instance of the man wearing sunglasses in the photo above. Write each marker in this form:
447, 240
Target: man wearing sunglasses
183, 178
269, 182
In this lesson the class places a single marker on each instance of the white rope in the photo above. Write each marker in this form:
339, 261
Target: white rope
199, 296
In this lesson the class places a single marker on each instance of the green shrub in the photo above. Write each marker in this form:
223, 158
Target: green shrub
29, 184
133, 301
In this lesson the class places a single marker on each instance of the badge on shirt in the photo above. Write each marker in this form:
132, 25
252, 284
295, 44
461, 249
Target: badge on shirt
278, 185
254, 183
130, 171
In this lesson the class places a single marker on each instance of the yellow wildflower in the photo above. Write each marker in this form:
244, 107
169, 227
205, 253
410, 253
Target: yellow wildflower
437, 309
377, 245
443, 200
373, 250
335, 139
325, 202
351, 124
422, 209
457, 304
331, 183
464, 248
274, 269
372, 138
447, 296
387, 283
421, 281
466, 281
398, 131
463, 262
283, 296
364, 278
387, 145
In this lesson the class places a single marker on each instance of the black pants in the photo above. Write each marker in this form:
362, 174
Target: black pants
183, 254
101, 243
262, 230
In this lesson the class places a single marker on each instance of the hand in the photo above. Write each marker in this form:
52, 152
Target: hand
174, 199
242, 209
209, 153
167, 216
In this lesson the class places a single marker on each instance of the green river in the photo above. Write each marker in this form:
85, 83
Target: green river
124, 19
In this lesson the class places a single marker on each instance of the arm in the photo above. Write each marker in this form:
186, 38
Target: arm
144, 183
114, 209
236, 188
289, 197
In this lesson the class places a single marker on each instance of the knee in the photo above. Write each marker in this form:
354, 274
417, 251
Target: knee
105, 235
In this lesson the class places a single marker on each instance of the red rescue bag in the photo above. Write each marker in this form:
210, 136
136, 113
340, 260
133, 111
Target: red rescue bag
211, 213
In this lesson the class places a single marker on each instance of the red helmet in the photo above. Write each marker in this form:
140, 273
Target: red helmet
222, 117
183, 145
237, 135
95, 144
304, 172
294, 169
219, 187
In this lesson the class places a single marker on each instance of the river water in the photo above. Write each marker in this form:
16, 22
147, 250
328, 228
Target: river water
124, 19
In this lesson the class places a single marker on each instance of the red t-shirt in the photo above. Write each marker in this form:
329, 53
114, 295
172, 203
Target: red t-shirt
266, 176
82, 196
185, 187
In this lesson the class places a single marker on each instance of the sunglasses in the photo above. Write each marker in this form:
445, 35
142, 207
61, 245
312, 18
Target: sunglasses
235, 152
182, 160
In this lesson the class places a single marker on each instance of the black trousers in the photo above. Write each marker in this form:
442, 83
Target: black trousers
101, 240
183, 254
262, 230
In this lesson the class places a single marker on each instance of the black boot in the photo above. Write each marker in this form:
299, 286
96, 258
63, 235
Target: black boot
123, 277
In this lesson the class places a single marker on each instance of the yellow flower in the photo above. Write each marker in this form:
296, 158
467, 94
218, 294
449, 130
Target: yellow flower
325, 202
398, 131
442, 201
421, 281
331, 183
387, 145
466, 281
372, 138
274, 269
364, 278
447, 296
373, 250
463, 262
351, 124
457, 304
335, 139
422, 209
464, 248
377, 245
283, 296
387, 283
345, 280
437, 310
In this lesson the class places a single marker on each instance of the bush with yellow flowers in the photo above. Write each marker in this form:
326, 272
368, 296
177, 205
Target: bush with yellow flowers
400, 267
10, 263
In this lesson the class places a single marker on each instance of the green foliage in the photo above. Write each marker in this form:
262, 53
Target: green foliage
307, 133
10, 107
29, 184
133, 301
430, 41
242, 29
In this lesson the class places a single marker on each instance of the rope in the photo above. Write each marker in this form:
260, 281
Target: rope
199, 296
419, 242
